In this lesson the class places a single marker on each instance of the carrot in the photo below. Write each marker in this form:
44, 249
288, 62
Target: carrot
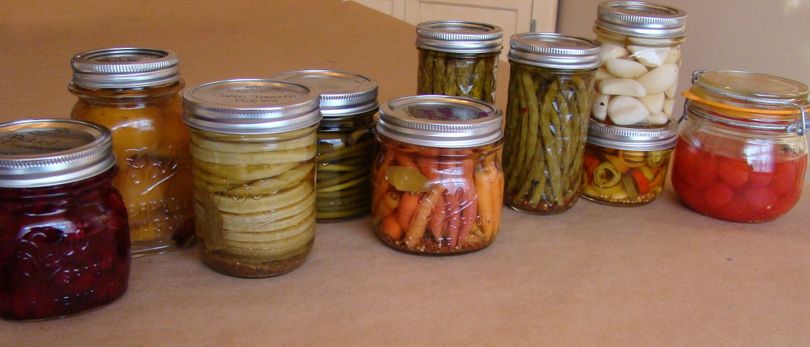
389, 203
406, 209
485, 204
469, 200
437, 219
390, 227
404, 160
381, 184
416, 230
427, 162
497, 196
453, 213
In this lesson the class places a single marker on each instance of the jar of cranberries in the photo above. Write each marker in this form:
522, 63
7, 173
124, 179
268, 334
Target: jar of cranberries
741, 155
64, 238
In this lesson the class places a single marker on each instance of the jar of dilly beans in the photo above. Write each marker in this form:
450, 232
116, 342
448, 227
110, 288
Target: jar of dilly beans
438, 182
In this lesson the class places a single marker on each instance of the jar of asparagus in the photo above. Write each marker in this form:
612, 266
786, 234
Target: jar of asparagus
639, 64
345, 140
458, 58
253, 145
135, 92
626, 166
438, 183
550, 86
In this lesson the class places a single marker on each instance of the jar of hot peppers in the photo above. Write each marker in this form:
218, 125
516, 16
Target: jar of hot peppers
741, 155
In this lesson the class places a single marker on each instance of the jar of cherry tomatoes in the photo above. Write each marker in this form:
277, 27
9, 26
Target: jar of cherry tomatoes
134, 92
741, 156
64, 241
626, 166
438, 182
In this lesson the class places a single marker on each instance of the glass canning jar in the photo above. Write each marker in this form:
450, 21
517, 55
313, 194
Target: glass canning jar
626, 166
550, 86
253, 145
438, 183
458, 58
64, 240
640, 61
741, 155
135, 93
348, 103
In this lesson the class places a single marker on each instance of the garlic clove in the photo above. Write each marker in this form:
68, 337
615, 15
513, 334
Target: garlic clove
654, 102
649, 56
602, 73
674, 56
659, 79
625, 68
622, 86
610, 51
672, 90
626, 110
658, 118
669, 105
599, 106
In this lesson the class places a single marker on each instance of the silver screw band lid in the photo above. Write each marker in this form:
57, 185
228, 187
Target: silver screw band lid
633, 139
641, 19
342, 93
250, 106
554, 51
124, 67
440, 121
455, 36
47, 152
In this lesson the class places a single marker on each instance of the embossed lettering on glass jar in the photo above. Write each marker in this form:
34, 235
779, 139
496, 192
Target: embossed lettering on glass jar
345, 140
64, 240
640, 60
135, 93
253, 145
550, 86
626, 166
741, 155
438, 183
458, 58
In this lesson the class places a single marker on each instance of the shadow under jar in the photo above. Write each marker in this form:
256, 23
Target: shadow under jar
438, 183
253, 145
348, 103
64, 240
134, 92
741, 155
458, 58
550, 86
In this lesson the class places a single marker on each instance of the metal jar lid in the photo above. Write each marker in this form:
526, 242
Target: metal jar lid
47, 152
633, 139
455, 36
440, 121
250, 106
641, 19
342, 93
125, 68
554, 51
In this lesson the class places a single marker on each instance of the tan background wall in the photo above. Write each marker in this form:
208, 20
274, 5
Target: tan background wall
770, 36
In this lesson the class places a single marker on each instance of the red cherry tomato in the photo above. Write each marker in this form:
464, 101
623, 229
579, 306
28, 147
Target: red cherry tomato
759, 179
784, 178
733, 172
760, 202
718, 195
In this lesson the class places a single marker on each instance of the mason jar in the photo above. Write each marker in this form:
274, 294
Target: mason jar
348, 103
64, 244
458, 58
550, 86
438, 182
253, 145
741, 155
640, 60
626, 166
135, 93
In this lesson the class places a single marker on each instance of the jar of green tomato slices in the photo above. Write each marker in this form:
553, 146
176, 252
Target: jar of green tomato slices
345, 140
253, 145
550, 85
458, 58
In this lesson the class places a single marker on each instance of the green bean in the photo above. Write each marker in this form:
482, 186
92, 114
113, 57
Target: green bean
347, 151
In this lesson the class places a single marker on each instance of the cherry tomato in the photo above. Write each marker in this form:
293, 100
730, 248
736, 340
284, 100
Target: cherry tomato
760, 201
759, 179
732, 171
718, 195
784, 178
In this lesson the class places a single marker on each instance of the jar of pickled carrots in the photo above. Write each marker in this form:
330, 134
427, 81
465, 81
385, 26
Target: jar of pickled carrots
626, 166
550, 86
253, 145
345, 140
64, 241
741, 155
438, 183
458, 58
640, 61
135, 93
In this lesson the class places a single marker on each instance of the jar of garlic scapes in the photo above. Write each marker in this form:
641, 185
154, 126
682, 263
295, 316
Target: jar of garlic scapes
626, 166
345, 140
135, 93
639, 62
253, 145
